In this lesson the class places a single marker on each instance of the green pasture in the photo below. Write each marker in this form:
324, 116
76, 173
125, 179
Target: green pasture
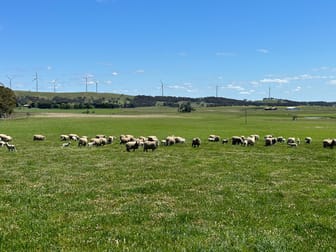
178, 198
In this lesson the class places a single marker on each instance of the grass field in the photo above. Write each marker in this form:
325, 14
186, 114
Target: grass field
177, 198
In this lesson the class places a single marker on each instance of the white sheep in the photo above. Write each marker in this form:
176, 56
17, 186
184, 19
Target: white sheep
66, 144
5, 138
329, 143
82, 141
64, 137
132, 145
308, 140
150, 145
39, 137
10, 147
213, 138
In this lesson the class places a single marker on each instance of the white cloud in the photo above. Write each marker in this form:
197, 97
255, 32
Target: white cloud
108, 82
275, 80
332, 82
247, 92
235, 87
49, 68
139, 71
115, 73
297, 89
263, 50
255, 83
188, 87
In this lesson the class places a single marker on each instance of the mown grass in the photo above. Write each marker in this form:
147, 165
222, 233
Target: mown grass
213, 198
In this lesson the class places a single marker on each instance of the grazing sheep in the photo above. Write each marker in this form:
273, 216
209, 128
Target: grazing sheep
329, 143
73, 137
291, 140
64, 137
281, 139
150, 145
255, 136
268, 136
214, 138
132, 145
308, 140
196, 142
126, 138
10, 147
102, 141
5, 138
292, 144
225, 141
39, 138
236, 140
170, 140
100, 136
250, 141
94, 142
2, 143
179, 140
151, 138
66, 144
91, 144
270, 141
110, 139
82, 141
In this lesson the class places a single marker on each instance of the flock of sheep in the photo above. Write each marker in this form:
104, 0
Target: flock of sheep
152, 142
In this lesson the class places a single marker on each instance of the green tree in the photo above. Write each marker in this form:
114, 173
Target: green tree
185, 107
7, 101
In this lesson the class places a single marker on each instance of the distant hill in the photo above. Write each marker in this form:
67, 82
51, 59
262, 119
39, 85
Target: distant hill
82, 100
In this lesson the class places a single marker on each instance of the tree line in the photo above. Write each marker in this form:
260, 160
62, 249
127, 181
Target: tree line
8, 101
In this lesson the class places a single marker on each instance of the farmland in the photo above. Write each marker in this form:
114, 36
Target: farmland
216, 197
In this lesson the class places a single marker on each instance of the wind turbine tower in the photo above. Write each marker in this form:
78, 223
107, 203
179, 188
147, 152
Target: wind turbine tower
36, 81
10, 81
162, 86
96, 86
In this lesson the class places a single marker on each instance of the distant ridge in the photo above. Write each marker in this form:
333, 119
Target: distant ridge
111, 100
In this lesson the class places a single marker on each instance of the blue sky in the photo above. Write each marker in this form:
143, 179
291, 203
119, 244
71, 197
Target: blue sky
242, 47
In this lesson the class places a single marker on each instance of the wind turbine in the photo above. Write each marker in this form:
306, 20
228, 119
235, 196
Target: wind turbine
161, 87
36, 80
10, 81
96, 86
54, 84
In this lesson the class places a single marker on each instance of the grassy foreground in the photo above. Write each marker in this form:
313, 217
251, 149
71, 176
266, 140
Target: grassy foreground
177, 198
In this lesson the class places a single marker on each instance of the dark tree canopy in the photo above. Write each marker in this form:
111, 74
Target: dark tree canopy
7, 101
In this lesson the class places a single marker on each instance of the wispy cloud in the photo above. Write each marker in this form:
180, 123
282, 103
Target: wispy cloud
188, 87
115, 73
49, 68
263, 50
139, 71
235, 87
332, 82
274, 80
297, 89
